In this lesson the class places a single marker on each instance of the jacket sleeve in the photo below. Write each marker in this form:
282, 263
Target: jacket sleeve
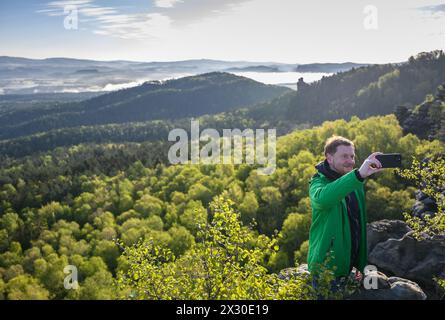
328, 194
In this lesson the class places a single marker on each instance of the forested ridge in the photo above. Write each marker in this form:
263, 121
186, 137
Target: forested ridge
192, 96
363, 92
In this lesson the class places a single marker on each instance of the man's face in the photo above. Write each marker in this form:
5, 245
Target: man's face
343, 160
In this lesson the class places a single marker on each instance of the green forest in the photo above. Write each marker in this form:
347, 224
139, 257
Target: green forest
59, 210
80, 188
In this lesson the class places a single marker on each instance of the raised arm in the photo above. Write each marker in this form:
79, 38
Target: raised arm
329, 194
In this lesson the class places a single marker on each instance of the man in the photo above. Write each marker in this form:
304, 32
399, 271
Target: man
337, 238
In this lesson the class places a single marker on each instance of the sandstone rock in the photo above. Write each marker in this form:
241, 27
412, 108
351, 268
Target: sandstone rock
383, 230
390, 289
393, 288
382, 280
391, 280
300, 271
406, 290
424, 205
405, 256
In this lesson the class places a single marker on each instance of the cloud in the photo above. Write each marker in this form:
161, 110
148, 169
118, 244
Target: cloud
190, 11
433, 9
151, 25
56, 8
97, 11
156, 23
166, 3
108, 21
119, 86
117, 18
61, 4
433, 12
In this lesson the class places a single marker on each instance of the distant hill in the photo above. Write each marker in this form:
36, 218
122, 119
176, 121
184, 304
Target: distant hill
254, 69
28, 76
46, 97
173, 99
363, 92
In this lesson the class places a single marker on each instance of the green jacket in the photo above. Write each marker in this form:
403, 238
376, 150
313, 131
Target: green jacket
330, 231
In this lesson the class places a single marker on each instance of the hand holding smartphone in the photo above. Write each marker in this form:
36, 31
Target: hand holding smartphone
390, 160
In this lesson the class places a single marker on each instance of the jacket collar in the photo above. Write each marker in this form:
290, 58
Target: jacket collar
324, 168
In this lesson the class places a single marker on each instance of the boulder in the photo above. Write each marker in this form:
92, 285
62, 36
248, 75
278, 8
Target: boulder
405, 290
392, 288
405, 256
424, 205
300, 271
383, 230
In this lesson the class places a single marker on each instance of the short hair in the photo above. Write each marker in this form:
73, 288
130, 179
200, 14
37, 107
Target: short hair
333, 142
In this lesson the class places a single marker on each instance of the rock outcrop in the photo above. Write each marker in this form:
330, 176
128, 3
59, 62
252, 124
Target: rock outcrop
300, 271
423, 120
385, 229
393, 250
393, 288
424, 205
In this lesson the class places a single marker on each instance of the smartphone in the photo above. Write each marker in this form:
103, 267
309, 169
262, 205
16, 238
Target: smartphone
390, 160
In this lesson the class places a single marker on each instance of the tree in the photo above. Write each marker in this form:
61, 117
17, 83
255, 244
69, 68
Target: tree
13, 256
300, 255
132, 230
271, 212
49, 271
225, 264
12, 224
25, 287
99, 286
149, 205
181, 240
194, 216
108, 251
402, 114
201, 193
382, 203
428, 176
249, 207
294, 232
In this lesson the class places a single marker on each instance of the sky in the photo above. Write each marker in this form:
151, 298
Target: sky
288, 31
